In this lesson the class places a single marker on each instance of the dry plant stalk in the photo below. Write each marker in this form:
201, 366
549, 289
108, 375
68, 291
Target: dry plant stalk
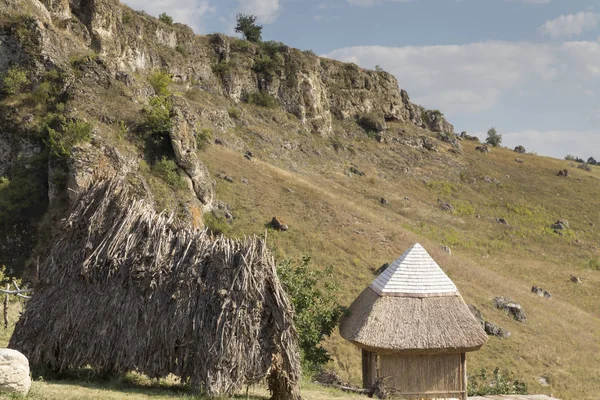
127, 289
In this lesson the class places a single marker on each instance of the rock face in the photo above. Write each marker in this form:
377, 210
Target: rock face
512, 308
183, 141
14, 372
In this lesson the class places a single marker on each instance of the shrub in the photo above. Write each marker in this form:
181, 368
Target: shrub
160, 80
223, 68
378, 68
240, 45
493, 137
592, 161
166, 169
500, 383
234, 112
15, 80
203, 138
585, 167
262, 99
181, 49
310, 53
41, 94
63, 135
166, 18
317, 312
216, 225
592, 263
246, 25
570, 157
158, 117
268, 65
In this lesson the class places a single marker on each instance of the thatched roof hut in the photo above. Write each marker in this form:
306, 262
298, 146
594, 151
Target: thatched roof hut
414, 328
127, 289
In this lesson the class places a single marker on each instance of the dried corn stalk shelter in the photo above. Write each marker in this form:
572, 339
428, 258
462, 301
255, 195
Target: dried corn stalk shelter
414, 330
127, 289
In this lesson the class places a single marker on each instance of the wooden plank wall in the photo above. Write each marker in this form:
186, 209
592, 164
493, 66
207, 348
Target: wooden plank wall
424, 376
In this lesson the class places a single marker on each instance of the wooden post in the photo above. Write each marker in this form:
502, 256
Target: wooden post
6, 308
463, 365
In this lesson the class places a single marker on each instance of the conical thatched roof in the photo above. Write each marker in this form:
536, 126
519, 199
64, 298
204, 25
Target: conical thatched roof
412, 307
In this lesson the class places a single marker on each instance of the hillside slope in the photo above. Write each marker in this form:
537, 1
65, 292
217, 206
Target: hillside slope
317, 161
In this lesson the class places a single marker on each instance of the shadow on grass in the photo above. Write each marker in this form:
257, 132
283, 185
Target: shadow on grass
132, 383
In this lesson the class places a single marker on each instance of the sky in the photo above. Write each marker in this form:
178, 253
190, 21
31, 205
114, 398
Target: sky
529, 68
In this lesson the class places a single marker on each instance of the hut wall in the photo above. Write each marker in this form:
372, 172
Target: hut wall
438, 376
369, 368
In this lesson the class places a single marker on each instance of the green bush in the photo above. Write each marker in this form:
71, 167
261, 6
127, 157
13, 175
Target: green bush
317, 311
160, 80
480, 384
262, 99
63, 134
246, 25
493, 137
204, 137
181, 49
234, 112
158, 117
42, 93
216, 225
585, 167
166, 18
166, 169
15, 80
223, 68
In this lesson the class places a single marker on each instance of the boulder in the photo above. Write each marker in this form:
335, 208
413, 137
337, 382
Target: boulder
575, 279
381, 269
452, 140
519, 160
541, 292
494, 330
428, 144
465, 136
477, 314
445, 206
502, 221
564, 173
484, 148
279, 224
447, 249
384, 201
14, 372
520, 149
514, 309
356, 171
560, 225
248, 155
372, 122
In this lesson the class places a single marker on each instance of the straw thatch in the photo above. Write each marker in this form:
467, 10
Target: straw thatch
412, 307
411, 324
127, 289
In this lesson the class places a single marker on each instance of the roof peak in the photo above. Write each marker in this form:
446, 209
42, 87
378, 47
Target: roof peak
414, 274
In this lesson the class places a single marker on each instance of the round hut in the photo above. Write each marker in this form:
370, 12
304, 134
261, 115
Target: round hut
414, 330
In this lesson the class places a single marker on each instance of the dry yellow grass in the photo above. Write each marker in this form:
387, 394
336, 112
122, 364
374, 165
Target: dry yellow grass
338, 221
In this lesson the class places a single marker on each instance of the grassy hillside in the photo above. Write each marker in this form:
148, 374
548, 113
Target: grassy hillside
337, 219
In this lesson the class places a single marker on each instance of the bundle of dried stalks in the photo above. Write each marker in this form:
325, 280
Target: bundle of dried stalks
127, 289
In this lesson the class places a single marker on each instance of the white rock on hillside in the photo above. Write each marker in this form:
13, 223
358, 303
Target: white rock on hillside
14, 372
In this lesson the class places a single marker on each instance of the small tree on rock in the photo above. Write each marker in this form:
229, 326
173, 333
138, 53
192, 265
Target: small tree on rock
493, 137
246, 25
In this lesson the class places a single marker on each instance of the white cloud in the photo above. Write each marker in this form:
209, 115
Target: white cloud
189, 12
266, 11
468, 79
557, 143
567, 26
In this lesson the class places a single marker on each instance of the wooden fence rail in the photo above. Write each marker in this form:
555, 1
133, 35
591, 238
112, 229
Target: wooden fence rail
17, 292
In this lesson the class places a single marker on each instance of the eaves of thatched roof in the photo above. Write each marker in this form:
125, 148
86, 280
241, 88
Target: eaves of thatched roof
412, 307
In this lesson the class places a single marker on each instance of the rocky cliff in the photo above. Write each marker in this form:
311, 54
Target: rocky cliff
83, 102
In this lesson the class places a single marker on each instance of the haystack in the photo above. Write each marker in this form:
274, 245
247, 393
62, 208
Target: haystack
414, 329
127, 289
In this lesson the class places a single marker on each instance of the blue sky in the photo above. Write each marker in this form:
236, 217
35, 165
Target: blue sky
531, 68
